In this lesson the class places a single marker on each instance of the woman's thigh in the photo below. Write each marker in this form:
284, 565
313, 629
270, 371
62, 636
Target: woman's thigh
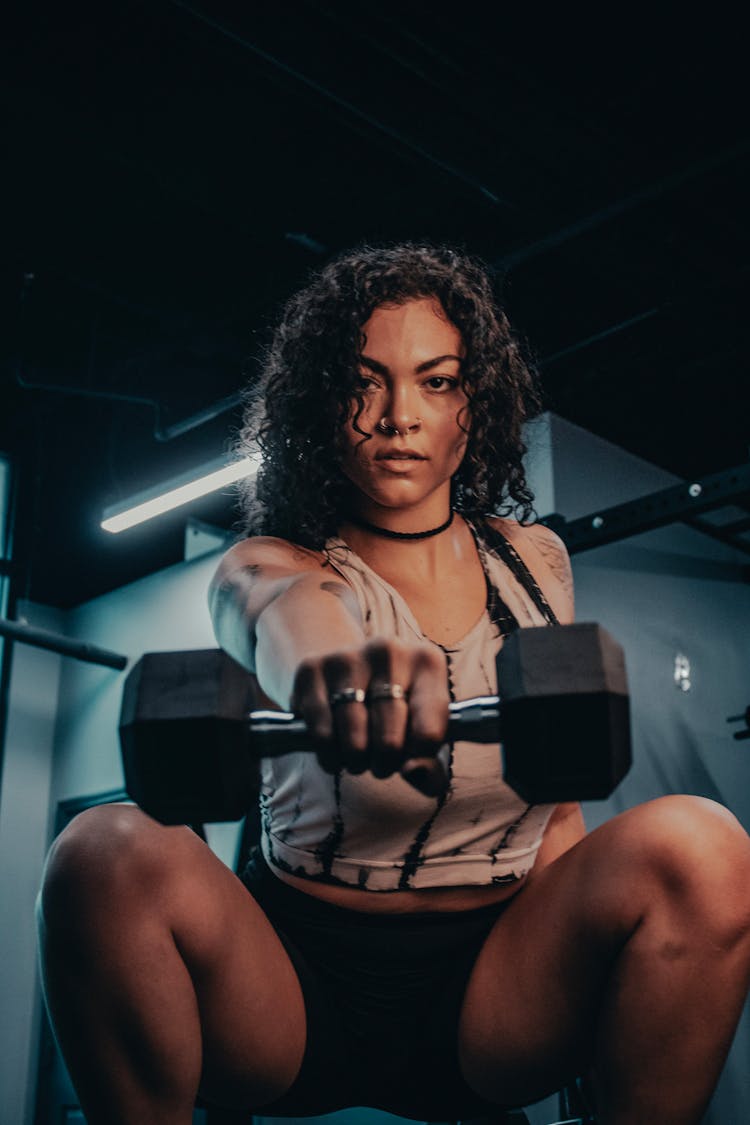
533, 1000
133, 908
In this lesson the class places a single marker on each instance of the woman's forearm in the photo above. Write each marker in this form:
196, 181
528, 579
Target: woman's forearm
313, 615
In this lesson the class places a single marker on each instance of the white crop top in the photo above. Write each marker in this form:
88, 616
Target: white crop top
382, 834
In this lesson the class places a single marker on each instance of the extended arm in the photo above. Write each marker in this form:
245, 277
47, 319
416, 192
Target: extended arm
273, 606
300, 630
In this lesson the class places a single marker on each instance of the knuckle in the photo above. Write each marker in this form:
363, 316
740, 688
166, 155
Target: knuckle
338, 665
305, 685
307, 673
380, 646
429, 658
383, 653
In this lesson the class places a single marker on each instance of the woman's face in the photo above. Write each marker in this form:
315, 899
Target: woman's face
413, 407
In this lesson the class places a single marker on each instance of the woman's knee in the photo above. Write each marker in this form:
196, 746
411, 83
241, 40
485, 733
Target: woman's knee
109, 850
699, 854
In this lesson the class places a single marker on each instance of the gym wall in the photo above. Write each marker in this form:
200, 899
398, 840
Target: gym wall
24, 836
668, 596
666, 593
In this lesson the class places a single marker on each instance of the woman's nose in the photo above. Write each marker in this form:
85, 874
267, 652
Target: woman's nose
400, 412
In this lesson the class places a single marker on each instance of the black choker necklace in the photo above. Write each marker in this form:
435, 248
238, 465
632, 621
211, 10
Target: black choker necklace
386, 531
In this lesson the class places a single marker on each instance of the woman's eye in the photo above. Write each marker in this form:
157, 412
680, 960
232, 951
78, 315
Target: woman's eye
446, 383
365, 383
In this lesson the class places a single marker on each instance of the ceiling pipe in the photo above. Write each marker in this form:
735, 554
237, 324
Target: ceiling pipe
589, 222
352, 110
161, 432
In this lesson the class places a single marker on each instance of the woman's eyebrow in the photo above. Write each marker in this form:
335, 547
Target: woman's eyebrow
381, 369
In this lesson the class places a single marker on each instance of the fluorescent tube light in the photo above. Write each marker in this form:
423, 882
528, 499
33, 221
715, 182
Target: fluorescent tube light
174, 493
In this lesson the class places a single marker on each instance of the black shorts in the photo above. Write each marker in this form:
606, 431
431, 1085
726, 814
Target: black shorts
383, 995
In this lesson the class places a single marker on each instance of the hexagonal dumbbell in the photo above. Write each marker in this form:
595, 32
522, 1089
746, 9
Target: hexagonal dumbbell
191, 743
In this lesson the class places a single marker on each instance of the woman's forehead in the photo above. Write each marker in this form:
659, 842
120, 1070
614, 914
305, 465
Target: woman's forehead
418, 323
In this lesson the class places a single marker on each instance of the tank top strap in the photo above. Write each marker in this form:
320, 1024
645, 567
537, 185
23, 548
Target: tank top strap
501, 615
496, 542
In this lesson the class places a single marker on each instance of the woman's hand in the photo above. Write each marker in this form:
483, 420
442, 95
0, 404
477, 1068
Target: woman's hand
381, 706
272, 604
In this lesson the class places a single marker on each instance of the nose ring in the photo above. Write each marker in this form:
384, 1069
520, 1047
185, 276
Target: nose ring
386, 427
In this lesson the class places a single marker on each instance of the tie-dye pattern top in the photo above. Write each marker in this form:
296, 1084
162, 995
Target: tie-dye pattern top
381, 834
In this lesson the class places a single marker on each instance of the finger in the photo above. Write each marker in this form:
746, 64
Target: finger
388, 706
428, 702
310, 703
426, 766
328, 755
388, 724
345, 676
309, 700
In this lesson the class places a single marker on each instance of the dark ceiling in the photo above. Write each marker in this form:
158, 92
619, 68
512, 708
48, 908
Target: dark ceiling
173, 170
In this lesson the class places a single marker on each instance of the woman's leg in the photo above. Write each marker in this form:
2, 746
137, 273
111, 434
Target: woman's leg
162, 974
630, 952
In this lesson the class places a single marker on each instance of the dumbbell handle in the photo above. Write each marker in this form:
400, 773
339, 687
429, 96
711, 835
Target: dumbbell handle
281, 732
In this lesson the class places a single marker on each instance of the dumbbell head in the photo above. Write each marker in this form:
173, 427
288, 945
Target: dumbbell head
184, 737
564, 713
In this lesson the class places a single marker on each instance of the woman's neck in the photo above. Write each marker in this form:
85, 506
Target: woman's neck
426, 558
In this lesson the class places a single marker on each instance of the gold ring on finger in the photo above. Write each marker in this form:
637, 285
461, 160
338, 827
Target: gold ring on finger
386, 691
347, 695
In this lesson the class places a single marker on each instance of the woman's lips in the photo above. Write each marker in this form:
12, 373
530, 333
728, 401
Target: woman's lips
399, 464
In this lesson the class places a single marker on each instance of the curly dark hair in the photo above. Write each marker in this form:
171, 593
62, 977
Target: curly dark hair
310, 377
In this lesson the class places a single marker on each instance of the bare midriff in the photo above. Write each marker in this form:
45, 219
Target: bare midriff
435, 899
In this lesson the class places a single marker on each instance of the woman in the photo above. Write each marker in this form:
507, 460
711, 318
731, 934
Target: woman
415, 937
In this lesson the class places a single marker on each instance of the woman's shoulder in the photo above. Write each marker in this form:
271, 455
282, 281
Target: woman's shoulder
270, 552
546, 556
543, 537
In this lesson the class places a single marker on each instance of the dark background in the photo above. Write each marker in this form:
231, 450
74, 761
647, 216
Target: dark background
174, 170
